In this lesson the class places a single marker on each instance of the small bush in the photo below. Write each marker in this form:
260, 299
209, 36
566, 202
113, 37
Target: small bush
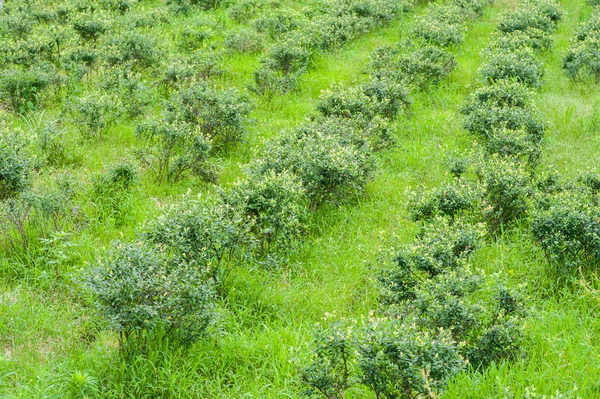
582, 61
244, 41
374, 98
516, 144
21, 88
521, 66
93, 114
142, 289
184, 6
567, 227
332, 366
277, 23
452, 200
220, 115
90, 27
423, 67
194, 36
439, 248
30, 216
400, 360
538, 14
503, 105
209, 236
507, 189
132, 48
244, 10
536, 39
442, 26
275, 206
15, 164
173, 150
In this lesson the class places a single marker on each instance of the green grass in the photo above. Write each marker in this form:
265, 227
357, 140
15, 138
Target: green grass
50, 343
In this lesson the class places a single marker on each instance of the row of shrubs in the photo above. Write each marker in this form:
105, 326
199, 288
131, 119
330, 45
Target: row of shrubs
438, 315
263, 216
582, 61
100, 65
330, 24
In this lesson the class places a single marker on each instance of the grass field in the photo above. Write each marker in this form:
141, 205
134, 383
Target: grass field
52, 345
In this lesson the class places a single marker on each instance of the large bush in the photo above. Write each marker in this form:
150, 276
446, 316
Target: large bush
142, 289
329, 167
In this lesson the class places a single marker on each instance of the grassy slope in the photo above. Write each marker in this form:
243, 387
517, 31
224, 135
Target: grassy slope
270, 315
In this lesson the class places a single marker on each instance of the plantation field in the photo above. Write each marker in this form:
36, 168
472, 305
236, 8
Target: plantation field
300, 199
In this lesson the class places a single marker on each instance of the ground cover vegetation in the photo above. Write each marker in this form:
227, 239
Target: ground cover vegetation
179, 182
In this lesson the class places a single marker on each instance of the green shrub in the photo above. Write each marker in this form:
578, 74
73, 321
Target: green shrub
184, 6
399, 360
521, 65
328, 167
452, 200
332, 365
16, 164
507, 189
194, 35
141, 289
244, 41
376, 132
131, 48
424, 66
93, 114
244, 10
279, 22
275, 206
374, 98
442, 26
536, 39
485, 318
30, 216
567, 227
473, 6
280, 69
90, 27
502, 105
128, 85
220, 115
516, 144
21, 88
439, 248
171, 150
537, 14
209, 236
582, 60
